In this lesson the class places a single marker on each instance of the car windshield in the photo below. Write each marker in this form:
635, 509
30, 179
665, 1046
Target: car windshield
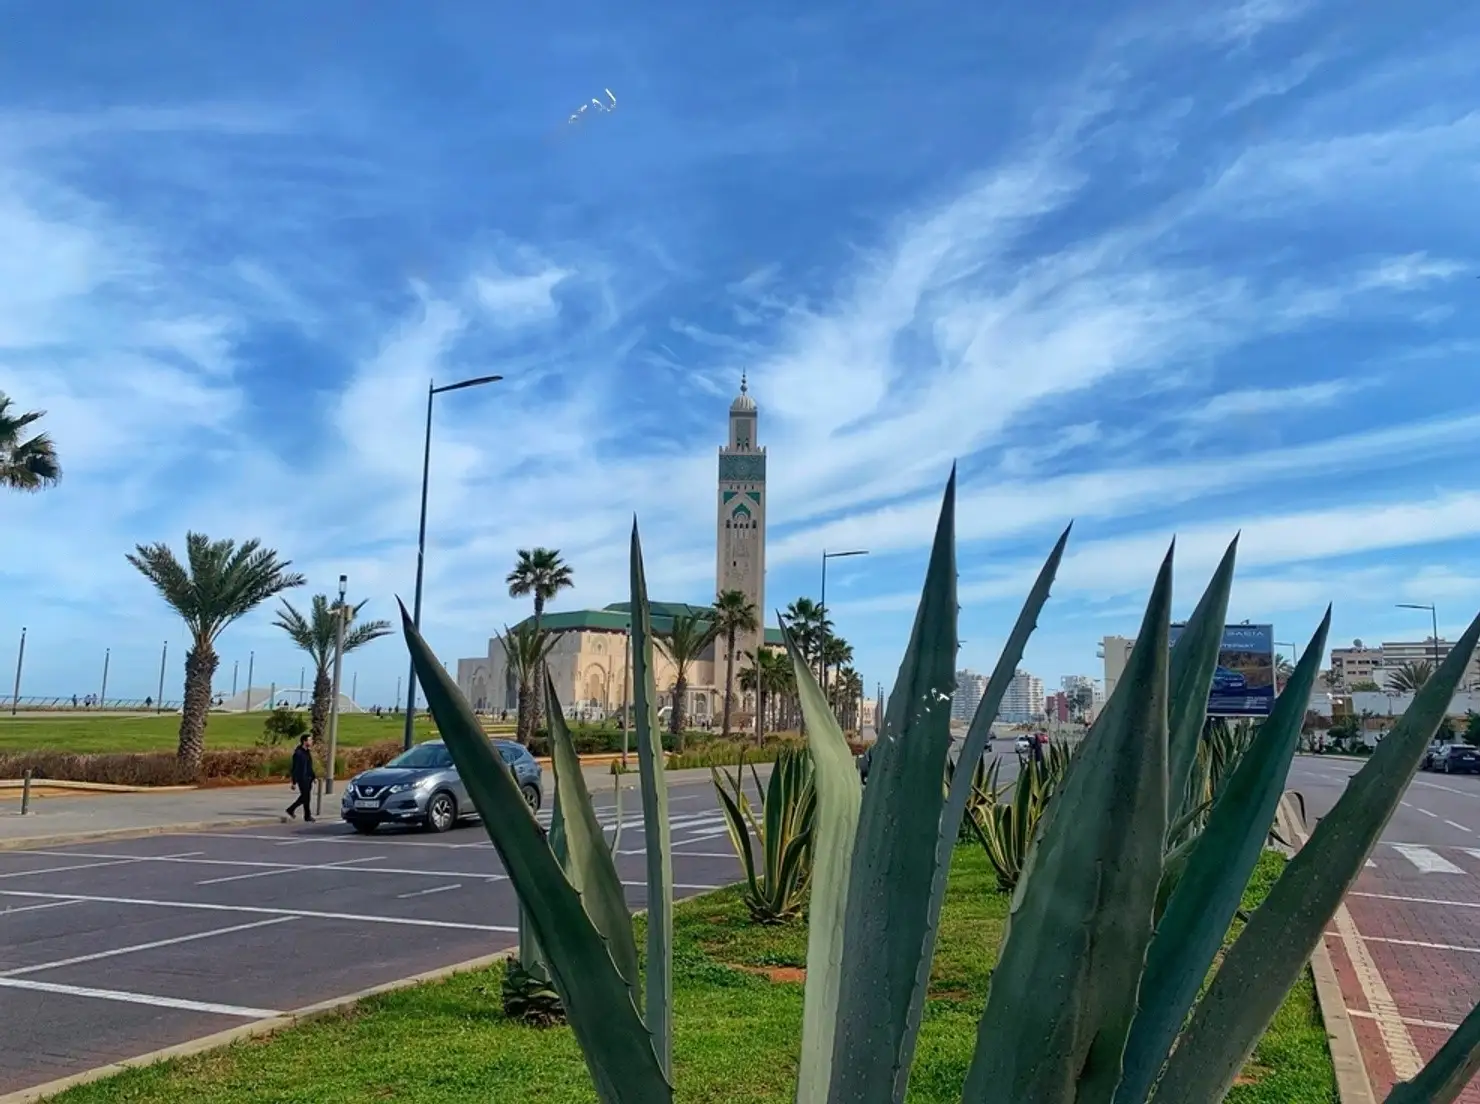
423, 756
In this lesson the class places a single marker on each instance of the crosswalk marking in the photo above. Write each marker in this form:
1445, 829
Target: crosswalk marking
1427, 861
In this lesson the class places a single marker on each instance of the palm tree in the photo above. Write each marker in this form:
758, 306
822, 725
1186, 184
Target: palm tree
808, 626
684, 642
835, 653
1409, 677
526, 648
734, 613
316, 634
849, 688
28, 464
219, 583
542, 574
1283, 669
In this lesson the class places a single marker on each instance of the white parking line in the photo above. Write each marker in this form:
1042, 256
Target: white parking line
259, 911
144, 947
1388, 897
1420, 943
8, 911
428, 892
115, 860
281, 867
287, 870
1435, 1025
1452, 824
140, 998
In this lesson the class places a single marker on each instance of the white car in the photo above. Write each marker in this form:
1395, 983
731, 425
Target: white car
1023, 745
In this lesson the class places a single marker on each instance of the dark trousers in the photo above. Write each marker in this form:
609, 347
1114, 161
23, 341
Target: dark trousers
305, 795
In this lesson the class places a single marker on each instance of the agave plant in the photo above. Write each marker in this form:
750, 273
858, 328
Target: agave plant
1006, 829
775, 892
1093, 1001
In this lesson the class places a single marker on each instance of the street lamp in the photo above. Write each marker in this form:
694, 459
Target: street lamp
1294, 658
421, 538
822, 611
1433, 617
341, 615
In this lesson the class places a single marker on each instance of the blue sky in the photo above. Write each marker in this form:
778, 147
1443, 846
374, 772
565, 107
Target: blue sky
1181, 268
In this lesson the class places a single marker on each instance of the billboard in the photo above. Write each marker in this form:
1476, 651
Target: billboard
1243, 682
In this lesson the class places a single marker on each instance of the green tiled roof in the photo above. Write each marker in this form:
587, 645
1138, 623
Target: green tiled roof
613, 618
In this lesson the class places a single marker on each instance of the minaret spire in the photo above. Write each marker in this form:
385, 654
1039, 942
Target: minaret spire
743, 387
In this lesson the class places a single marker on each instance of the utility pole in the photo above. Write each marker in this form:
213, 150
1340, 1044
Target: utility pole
20, 659
341, 616
626, 657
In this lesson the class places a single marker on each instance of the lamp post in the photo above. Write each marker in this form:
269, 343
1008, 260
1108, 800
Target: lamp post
341, 612
235, 665
1294, 659
251, 662
421, 537
1434, 620
821, 664
163, 655
103, 695
20, 659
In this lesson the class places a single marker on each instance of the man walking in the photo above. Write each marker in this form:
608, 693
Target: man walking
303, 777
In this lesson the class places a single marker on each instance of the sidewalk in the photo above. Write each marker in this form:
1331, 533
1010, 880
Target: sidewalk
53, 820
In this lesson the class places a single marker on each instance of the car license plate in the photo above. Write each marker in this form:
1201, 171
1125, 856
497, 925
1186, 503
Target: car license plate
367, 804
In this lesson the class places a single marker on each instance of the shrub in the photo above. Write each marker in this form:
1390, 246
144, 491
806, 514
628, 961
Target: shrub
283, 726
162, 768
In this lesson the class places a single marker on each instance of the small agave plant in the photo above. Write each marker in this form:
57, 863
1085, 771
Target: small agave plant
1094, 999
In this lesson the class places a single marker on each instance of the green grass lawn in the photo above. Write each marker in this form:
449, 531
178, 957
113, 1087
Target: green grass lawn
738, 1015
83, 734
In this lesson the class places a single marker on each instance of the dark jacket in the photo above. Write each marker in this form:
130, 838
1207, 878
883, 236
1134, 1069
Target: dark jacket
303, 772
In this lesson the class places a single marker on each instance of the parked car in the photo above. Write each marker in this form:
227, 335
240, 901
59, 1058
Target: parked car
1459, 759
422, 787
1023, 744
1226, 681
1431, 756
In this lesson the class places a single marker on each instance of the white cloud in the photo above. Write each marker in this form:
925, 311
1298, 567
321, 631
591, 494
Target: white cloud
515, 301
1275, 400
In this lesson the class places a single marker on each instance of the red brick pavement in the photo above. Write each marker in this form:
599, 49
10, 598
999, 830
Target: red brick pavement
1408, 960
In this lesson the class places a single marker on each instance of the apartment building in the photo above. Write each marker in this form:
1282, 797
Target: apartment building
970, 687
1023, 702
1116, 652
1360, 663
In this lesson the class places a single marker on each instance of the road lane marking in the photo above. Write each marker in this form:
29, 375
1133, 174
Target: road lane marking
140, 998
1404, 1054
1426, 813
677, 885
340, 865
1452, 824
1388, 897
1405, 804
280, 867
260, 911
1428, 862
144, 947
7, 911
115, 860
1446, 789
428, 892
1420, 943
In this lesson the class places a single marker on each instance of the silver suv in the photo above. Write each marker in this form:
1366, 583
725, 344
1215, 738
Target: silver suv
422, 787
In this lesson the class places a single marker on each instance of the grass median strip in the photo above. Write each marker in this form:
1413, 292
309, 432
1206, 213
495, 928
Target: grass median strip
738, 1008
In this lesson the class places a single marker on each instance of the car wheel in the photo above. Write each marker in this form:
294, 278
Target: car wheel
1446, 767
441, 812
531, 794
364, 827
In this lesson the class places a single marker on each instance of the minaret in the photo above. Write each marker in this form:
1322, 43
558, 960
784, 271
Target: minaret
740, 530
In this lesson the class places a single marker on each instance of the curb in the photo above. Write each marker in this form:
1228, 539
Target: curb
306, 1014
1353, 1085
61, 840
89, 787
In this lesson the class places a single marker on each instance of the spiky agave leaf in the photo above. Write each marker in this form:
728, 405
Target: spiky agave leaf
1063, 995
1217, 870
1268, 956
839, 795
894, 858
616, 1043
587, 861
1449, 1071
650, 763
972, 748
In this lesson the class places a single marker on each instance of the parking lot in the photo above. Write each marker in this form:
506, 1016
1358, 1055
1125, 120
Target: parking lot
111, 950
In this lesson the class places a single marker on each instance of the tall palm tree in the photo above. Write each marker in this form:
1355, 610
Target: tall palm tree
834, 653
526, 649
316, 634
808, 626
769, 677
26, 463
734, 613
539, 573
1283, 669
219, 583
1409, 677
848, 689
684, 643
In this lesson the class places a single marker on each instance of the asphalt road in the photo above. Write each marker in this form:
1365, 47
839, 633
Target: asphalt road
111, 950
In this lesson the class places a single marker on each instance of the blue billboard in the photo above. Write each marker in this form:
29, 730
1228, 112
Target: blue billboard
1243, 682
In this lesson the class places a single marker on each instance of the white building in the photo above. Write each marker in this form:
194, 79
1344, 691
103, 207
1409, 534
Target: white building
970, 687
1023, 701
1072, 686
1360, 663
1116, 652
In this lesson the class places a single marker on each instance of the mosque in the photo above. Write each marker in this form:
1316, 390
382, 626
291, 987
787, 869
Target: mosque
590, 662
